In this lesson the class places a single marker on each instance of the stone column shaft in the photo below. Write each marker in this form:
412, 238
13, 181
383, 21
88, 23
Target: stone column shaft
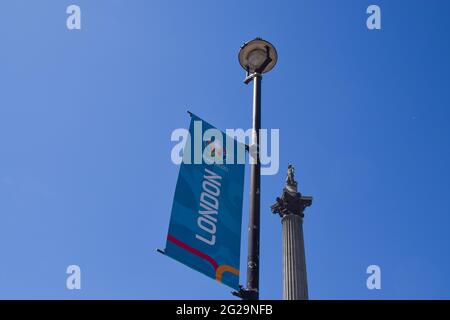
295, 286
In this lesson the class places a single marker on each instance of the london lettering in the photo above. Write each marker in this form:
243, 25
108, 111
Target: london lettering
209, 207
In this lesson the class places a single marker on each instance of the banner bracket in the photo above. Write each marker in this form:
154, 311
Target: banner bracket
244, 294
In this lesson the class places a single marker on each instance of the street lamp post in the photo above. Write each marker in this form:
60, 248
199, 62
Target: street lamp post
256, 57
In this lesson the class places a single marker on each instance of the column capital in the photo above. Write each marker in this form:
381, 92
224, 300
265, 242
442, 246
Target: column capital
291, 201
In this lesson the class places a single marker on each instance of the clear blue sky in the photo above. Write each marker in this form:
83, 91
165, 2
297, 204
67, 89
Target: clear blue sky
86, 117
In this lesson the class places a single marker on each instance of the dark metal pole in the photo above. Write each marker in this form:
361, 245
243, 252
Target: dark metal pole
255, 193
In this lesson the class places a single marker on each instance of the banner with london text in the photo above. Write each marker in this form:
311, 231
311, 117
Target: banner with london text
205, 224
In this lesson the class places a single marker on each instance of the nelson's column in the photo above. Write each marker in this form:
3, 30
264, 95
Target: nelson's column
290, 207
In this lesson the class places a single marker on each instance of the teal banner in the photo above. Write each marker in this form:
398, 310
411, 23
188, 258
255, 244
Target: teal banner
205, 224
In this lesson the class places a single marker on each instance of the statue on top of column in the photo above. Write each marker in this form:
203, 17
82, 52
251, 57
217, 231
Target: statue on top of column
290, 178
291, 201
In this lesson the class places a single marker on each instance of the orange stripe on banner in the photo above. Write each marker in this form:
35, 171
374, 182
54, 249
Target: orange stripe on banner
225, 268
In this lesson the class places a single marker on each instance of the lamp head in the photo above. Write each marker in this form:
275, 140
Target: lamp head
258, 56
